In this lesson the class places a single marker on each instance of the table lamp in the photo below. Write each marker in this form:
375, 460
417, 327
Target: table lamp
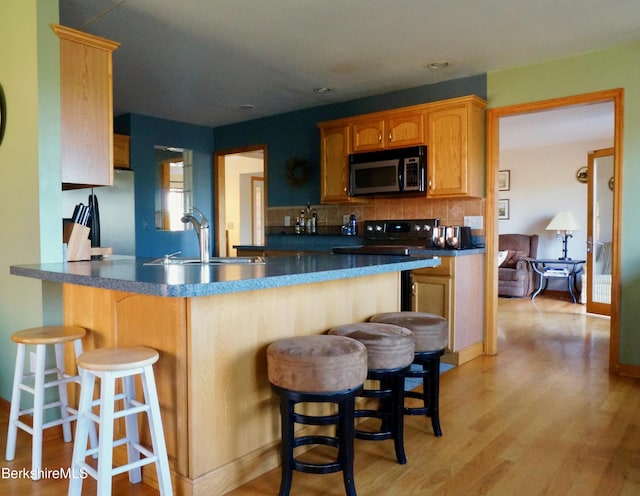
564, 223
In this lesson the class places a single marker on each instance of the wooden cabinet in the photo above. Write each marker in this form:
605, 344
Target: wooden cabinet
388, 130
86, 108
334, 164
454, 290
121, 151
453, 131
455, 149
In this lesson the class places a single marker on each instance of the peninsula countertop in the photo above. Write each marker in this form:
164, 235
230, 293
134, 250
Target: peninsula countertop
131, 274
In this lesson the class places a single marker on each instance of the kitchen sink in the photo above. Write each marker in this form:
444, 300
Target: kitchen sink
212, 261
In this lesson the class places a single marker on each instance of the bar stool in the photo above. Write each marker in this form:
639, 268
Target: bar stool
110, 364
41, 337
317, 369
390, 351
432, 335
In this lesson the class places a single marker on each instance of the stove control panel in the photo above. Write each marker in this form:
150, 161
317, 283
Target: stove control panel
412, 232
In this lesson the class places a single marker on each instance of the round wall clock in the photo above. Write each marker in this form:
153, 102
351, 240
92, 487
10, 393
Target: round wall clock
3, 114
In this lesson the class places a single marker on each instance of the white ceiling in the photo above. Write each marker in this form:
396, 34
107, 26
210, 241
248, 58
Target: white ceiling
199, 61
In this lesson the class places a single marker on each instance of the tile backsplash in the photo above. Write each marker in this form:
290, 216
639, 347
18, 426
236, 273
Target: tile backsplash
450, 212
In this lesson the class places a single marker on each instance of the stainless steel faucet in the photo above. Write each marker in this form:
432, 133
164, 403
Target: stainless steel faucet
202, 230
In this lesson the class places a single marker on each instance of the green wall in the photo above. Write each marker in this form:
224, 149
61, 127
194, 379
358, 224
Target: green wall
602, 70
30, 197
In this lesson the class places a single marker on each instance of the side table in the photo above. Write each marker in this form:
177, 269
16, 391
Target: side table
557, 269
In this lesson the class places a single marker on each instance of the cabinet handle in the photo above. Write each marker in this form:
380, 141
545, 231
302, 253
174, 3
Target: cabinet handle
430, 184
413, 288
390, 136
379, 137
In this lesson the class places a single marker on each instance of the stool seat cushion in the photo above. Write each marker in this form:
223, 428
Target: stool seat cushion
431, 331
48, 335
388, 346
114, 359
317, 364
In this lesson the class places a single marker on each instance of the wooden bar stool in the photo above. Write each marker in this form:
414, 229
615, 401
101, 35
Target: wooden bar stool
317, 369
110, 364
390, 352
40, 338
431, 333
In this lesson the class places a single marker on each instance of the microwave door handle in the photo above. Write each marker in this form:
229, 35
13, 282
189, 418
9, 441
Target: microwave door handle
401, 175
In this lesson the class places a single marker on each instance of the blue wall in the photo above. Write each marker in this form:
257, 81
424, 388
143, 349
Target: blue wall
285, 135
297, 134
145, 133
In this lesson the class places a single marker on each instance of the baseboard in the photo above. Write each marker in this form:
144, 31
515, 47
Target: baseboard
464, 355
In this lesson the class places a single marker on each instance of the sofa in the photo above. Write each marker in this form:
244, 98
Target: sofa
516, 277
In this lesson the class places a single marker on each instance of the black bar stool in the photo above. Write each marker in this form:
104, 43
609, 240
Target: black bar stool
431, 333
390, 351
317, 369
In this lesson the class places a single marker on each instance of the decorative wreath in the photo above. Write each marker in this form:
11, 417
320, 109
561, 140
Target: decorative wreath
298, 171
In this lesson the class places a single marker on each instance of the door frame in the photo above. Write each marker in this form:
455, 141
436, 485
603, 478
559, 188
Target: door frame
493, 166
220, 238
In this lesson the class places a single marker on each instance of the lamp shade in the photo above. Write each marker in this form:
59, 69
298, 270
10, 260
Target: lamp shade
564, 221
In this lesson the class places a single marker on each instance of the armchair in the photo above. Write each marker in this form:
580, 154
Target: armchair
515, 276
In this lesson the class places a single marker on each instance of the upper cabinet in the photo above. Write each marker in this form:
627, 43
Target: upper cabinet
121, 151
453, 131
86, 107
455, 149
393, 129
334, 169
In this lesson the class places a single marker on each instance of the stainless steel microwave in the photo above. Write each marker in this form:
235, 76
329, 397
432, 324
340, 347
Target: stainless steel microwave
397, 171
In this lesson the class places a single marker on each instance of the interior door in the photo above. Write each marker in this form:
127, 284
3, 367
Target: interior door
600, 231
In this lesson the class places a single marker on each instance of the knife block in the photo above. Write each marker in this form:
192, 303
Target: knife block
78, 243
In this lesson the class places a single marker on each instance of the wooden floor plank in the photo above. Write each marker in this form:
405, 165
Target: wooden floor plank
543, 417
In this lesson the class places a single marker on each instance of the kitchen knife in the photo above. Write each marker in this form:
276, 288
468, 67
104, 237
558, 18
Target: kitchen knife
76, 213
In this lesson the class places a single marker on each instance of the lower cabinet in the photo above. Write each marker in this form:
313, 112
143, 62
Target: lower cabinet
454, 290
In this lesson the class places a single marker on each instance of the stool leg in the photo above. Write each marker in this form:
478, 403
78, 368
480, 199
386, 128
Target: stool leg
131, 426
434, 394
14, 413
157, 435
93, 436
397, 415
286, 448
105, 443
346, 410
82, 433
38, 412
62, 392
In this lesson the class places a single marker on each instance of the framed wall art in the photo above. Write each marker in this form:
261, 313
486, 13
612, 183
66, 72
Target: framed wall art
503, 209
504, 180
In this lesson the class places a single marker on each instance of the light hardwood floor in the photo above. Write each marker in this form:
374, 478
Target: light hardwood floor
543, 417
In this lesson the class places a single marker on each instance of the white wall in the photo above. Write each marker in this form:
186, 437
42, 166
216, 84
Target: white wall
543, 182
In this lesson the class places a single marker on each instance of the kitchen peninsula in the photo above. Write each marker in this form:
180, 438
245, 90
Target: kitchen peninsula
211, 325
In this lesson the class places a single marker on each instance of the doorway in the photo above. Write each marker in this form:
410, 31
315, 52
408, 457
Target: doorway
493, 166
240, 198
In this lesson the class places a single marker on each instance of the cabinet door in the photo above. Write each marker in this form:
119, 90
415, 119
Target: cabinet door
334, 166
433, 295
368, 135
86, 108
405, 129
446, 152
121, 151
455, 150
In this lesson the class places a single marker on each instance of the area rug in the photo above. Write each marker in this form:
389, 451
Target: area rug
413, 382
